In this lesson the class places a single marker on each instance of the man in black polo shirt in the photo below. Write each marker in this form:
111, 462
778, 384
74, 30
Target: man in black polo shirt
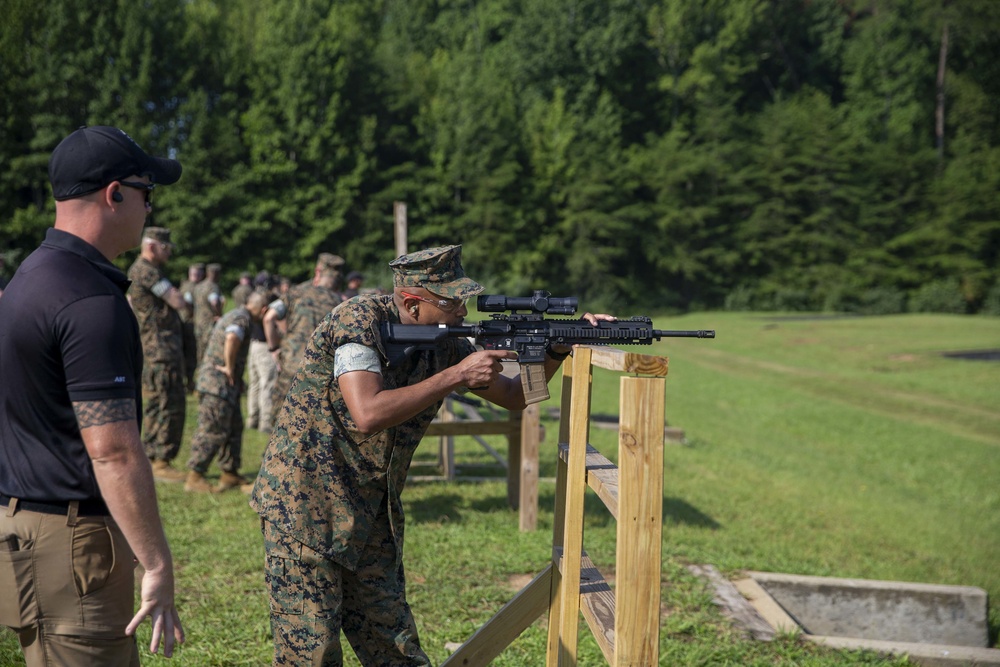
77, 499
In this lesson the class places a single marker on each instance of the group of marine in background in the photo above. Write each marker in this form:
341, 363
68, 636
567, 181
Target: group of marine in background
191, 343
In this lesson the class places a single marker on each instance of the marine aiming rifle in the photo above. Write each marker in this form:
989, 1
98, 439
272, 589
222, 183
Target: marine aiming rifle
528, 333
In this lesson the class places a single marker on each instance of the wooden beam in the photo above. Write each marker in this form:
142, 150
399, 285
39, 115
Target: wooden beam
734, 604
507, 625
528, 487
613, 359
640, 521
597, 603
579, 426
602, 476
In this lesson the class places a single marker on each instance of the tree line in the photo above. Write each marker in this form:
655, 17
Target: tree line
839, 155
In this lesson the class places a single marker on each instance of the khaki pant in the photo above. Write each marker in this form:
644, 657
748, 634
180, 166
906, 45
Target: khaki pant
67, 587
263, 372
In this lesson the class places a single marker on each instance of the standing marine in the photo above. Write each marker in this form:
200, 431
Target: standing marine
157, 305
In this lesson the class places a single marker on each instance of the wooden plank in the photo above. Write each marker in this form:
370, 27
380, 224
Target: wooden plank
399, 226
513, 462
613, 359
602, 476
576, 481
734, 604
448, 442
597, 602
528, 487
764, 604
507, 625
640, 521
559, 520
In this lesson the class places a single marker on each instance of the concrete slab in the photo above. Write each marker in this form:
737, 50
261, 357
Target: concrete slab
836, 612
882, 610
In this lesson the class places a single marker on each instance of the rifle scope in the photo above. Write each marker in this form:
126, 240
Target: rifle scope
539, 302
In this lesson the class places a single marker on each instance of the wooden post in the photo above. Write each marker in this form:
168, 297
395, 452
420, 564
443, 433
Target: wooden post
399, 220
446, 455
528, 486
640, 521
514, 460
559, 520
568, 594
624, 620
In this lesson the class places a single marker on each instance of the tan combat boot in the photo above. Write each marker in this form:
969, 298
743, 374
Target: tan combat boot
164, 472
196, 482
231, 480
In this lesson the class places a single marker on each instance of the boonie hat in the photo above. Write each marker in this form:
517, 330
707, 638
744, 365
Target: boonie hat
438, 270
91, 157
159, 234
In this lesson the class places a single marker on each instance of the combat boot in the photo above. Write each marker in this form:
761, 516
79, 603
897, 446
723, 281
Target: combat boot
164, 472
196, 482
231, 480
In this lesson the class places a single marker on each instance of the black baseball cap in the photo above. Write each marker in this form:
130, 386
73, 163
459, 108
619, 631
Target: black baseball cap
92, 157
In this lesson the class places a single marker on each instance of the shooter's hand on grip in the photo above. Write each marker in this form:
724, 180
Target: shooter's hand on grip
480, 369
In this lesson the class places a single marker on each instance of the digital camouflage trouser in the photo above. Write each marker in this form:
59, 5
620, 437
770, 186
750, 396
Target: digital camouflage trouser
163, 408
219, 431
312, 599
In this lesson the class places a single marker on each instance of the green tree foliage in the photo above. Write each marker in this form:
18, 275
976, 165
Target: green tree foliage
803, 154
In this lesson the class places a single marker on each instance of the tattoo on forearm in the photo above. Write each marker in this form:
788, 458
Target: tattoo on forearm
97, 413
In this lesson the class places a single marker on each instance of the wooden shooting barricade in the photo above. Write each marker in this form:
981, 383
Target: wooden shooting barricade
624, 621
523, 433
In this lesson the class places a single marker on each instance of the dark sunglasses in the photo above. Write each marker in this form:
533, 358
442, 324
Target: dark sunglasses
148, 187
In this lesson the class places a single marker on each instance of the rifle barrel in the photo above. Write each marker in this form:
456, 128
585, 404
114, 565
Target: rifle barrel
695, 333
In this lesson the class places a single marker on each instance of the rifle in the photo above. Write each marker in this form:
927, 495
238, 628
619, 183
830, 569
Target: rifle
529, 334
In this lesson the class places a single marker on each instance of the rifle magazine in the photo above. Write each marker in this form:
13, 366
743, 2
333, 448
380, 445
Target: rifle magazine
533, 383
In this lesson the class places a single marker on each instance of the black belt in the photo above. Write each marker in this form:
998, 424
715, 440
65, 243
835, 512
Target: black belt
89, 507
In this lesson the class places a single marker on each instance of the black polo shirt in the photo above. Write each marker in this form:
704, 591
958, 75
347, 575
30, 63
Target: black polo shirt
66, 334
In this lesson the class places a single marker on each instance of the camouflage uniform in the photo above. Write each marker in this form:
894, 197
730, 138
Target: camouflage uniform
187, 330
329, 499
303, 309
204, 315
220, 422
164, 403
242, 290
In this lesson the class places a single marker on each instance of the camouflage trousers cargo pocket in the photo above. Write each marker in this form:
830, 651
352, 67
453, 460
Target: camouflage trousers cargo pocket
300, 581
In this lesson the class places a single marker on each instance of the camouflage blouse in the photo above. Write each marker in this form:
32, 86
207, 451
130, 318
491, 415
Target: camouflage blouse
159, 324
322, 481
210, 379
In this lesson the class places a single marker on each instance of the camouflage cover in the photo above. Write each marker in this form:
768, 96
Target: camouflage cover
322, 481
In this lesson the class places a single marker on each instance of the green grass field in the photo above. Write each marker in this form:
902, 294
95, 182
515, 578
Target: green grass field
844, 447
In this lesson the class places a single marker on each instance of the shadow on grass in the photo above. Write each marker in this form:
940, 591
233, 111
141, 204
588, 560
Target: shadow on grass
452, 506
445, 506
